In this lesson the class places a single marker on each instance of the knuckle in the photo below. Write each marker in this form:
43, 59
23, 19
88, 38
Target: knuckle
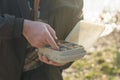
54, 32
48, 25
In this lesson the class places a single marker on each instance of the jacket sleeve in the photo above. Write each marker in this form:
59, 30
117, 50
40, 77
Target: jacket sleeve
10, 26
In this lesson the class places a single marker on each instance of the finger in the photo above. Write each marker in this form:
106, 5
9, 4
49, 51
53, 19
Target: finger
55, 64
45, 60
52, 32
40, 57
52, 42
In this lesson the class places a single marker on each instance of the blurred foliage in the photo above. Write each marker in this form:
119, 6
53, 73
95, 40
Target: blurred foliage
100, 64
96, 66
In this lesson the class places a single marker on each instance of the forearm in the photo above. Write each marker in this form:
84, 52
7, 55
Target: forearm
10, 26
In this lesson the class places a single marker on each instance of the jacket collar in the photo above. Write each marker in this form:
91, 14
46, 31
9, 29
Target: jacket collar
24, 8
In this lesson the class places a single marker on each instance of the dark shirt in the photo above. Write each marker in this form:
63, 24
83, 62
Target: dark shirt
30, 3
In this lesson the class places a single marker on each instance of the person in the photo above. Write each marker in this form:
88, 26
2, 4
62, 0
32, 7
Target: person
17, 29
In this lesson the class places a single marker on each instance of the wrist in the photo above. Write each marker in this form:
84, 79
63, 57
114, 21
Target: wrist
25, 26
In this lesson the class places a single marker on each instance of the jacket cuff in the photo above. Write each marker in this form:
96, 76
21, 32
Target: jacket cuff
18, 27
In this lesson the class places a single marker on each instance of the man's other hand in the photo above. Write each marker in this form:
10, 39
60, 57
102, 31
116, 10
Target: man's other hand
47, 61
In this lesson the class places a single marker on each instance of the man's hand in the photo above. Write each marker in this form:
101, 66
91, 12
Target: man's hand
45, 60
39, 34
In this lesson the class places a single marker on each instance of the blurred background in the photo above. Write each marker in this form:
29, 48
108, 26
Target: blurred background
103, 59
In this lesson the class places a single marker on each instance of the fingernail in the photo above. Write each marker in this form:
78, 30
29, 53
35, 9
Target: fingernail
57, 48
